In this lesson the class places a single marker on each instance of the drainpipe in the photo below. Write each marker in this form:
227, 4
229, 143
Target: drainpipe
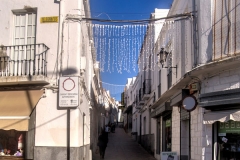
180, 132
189, 135
83, 135
59, 43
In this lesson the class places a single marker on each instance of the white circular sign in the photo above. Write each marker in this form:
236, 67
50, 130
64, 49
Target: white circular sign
189, 103
68, 84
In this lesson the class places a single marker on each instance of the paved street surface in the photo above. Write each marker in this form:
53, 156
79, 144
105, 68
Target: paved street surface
122, 147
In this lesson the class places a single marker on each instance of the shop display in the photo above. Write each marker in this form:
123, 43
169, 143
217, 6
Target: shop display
11, 143
229, 140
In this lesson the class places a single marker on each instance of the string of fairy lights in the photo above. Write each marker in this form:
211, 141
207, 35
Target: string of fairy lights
114, 89
118, 46
129, 45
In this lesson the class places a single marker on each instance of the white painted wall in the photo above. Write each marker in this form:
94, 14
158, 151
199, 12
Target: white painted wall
50, 122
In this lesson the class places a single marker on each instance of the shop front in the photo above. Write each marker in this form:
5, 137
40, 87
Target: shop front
223, 114
226, 133
163, 116
16, 108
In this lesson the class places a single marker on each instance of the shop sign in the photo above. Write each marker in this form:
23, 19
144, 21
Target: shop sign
168, 123
169, 156
229, 127
53, 19
68, 92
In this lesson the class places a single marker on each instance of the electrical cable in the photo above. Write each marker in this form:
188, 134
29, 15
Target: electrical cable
189, 14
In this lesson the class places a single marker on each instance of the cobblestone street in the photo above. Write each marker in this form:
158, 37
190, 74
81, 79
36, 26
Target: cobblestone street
122, 147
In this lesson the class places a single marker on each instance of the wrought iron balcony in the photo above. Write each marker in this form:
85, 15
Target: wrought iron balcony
137, 105
23, 60
146, 89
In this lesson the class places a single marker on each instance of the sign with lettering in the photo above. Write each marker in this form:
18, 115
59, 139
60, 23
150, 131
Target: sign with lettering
168, 123
169, 156
53, 19
68, 92
228, 127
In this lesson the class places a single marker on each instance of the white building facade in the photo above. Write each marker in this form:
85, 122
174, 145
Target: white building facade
198, 62
41, 42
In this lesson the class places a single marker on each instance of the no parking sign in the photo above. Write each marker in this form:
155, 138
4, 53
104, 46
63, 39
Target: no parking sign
68, 92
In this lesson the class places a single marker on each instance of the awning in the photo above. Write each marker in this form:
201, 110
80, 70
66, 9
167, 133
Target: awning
221, 116
15, 108
220, 100
161, 109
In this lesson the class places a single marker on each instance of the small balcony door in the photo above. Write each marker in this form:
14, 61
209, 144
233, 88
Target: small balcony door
22, 57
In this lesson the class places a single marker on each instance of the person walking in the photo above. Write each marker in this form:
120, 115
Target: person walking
102, 143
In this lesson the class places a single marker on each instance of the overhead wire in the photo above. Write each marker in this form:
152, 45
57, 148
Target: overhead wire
189, 14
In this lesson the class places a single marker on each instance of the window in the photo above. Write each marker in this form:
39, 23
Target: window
12, 143
154, 97
131, 95
226, 35
24, 27
144, 125
24, 34
227, 138
169, 77
159, 86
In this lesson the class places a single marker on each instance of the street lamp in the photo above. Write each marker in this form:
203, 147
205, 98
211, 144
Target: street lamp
162, 57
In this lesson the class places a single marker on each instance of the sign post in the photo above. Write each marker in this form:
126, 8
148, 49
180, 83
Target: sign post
68, 98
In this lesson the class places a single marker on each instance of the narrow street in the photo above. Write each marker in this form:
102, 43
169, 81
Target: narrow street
122, 147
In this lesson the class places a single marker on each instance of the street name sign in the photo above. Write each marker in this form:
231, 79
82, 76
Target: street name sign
53, 19
68, 92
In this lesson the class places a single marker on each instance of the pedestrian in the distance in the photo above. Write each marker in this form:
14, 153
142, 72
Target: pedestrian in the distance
102, 143
107, 128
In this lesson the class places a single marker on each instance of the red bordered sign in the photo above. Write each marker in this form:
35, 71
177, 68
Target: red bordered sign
68, 92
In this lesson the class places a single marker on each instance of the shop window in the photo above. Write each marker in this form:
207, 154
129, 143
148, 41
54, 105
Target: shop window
12, 143
167, 134
228, 140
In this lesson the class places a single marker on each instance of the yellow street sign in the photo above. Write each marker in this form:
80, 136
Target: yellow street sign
53, 19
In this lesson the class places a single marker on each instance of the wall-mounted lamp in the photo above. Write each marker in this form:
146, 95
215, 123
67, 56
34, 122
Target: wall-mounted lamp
162, 57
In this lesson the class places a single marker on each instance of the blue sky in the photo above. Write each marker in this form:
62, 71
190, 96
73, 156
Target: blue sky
124, 10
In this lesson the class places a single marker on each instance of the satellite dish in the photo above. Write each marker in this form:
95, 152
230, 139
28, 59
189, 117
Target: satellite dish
189, 103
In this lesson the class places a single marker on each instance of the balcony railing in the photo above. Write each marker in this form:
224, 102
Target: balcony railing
137, 106
23, 60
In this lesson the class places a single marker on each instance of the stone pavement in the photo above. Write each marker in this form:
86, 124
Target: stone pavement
122, 147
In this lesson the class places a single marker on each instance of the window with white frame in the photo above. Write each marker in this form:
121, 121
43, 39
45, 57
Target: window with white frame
24, 35
24, 28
